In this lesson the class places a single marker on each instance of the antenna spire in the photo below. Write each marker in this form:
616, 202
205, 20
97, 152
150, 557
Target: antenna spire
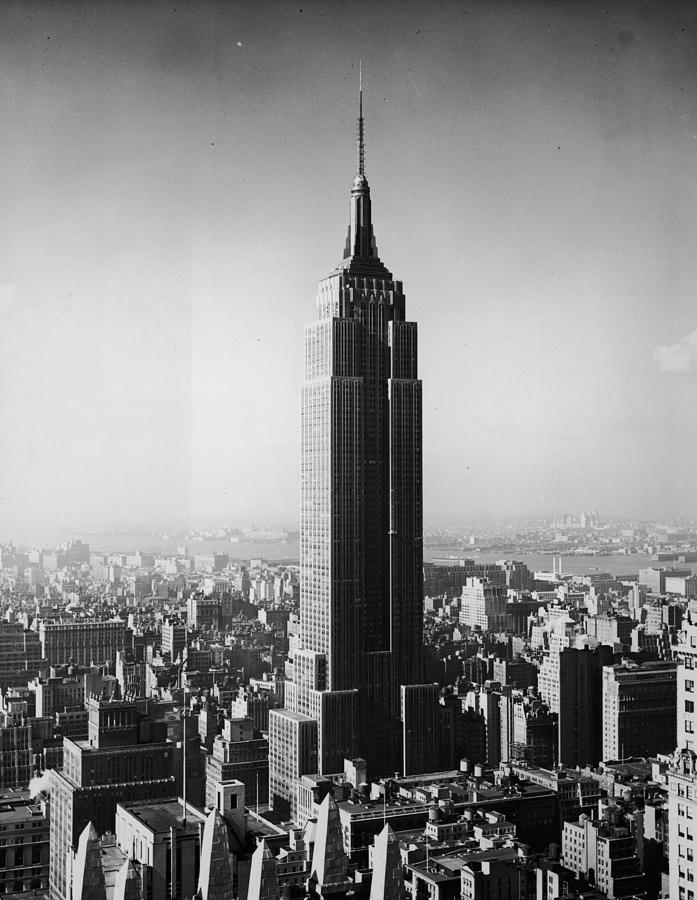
360, 147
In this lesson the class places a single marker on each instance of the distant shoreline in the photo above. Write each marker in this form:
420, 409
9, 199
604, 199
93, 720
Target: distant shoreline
282, 553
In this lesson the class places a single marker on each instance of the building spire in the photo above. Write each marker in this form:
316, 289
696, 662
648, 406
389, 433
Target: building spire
360, 145
360, 243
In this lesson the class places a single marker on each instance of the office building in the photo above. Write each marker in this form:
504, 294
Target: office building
483, 605
165, 842
240, 753
654, 578
686, 657
639, 709
59, 693
682, 773
581, 704
682, 824
20, 655
83, 643
254, 705
126, 757
292, 753
204, 613
533, 732
24, 844
604, 852
420, 713
173, 639
16, 754
486, 701
361, 556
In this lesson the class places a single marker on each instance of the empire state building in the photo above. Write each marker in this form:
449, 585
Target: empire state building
356, 663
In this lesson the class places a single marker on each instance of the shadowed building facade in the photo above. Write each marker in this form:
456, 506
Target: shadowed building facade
639, 703
361, 557
581, 704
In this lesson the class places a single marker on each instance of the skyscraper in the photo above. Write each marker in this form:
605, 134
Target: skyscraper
361, 565
580, 704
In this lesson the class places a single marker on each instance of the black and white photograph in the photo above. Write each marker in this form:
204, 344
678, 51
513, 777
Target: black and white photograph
348, 439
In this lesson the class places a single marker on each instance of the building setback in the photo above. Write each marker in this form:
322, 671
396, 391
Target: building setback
242, 754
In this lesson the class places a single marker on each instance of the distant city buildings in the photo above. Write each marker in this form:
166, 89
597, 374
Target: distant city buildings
553, 715
81, 643
512, 718
483, 605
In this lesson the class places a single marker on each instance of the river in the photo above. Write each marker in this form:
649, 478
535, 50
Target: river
275, 551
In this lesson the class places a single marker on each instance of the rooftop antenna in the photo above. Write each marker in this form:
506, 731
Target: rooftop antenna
183, 686
360, 147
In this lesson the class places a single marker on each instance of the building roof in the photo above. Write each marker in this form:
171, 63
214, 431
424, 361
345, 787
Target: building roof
18, 807
445, 868
161, 815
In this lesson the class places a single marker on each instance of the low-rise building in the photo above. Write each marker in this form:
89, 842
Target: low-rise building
604, 852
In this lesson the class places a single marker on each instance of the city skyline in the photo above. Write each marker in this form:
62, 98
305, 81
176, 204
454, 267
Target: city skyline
158, 272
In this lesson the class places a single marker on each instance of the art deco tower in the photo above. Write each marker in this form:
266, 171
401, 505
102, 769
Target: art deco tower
361, 566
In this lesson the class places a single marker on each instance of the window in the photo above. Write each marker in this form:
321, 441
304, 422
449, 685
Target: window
689, 686
689, 706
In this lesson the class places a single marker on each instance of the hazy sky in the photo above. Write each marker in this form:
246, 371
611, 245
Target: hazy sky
175, 181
